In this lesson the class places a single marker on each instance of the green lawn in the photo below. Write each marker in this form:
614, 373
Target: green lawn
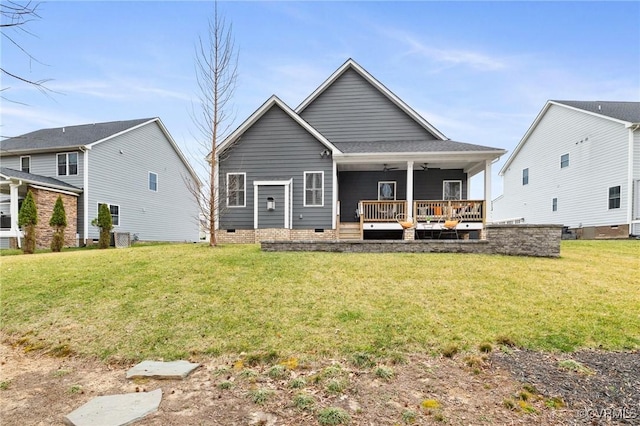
174, 300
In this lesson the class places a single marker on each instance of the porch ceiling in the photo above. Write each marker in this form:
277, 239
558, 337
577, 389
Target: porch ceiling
380, 165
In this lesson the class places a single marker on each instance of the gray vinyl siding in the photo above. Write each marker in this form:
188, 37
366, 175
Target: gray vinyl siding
276, 148
46, 164
118, 174
351, 109
357, 186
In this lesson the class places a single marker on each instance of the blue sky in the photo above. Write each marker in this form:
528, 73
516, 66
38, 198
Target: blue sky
478, 71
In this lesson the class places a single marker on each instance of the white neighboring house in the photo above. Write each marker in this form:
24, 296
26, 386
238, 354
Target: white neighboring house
577, 165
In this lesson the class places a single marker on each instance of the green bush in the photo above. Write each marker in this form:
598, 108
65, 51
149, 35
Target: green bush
105, 223
58, 222
28, 219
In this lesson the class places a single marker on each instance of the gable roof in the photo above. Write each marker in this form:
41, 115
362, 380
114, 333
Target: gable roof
623, 111
68, 137
272, 101
31, 178
351, 64
627, 113
412, 146
82, 136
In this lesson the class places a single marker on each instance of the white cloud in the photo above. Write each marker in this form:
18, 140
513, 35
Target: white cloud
117, 88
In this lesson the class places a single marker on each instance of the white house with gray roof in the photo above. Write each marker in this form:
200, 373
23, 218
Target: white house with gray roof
348, 162
577, 165
133, 166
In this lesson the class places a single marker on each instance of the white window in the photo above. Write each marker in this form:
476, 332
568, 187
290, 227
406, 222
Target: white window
313, 189
236, 189
564, 161
25, 164
386, 190
614, 197
452, 190
115, 213
68, 164
153, 182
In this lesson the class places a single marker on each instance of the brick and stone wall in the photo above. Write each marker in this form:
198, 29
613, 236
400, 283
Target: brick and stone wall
45, 200
251, 236
515, 240
602, 232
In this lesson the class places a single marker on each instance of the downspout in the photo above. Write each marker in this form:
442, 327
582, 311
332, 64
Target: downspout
632, 128
85, 193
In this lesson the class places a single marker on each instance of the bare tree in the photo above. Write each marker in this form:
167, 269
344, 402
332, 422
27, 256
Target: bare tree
216, 73
14, 20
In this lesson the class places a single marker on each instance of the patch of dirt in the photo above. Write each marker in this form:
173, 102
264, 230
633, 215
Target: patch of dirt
37, 389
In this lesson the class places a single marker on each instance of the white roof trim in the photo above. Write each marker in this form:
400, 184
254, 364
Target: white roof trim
372, 80
41, 185
273, 100
537, 120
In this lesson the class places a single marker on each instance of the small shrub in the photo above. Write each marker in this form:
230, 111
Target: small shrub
105, 223
58, 222
28, 219
333, 416
303, 401
260, 396
277, 372
450, 351
383, 372
473, 361
335, 386
409, 417
363, 360
225, 385
297, 383
555, 402
575, 366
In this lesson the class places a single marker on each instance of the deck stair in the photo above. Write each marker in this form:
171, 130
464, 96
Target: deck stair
349, 231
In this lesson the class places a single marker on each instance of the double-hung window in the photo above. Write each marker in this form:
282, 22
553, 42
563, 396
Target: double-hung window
564, 161
614, 197
25, 164
114, 210
313, 189
67, 164
153, 182
525, 176
236, 189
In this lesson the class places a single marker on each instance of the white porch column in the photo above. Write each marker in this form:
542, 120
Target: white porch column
409, 190
13, 208
487, 191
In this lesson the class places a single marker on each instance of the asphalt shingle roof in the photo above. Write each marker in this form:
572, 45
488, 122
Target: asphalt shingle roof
625, 111
43, 180
67, 137
410, 146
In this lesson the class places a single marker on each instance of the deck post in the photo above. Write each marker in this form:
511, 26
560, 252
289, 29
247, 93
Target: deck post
409, 215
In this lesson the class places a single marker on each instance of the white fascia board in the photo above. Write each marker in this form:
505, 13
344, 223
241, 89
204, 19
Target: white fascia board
381, 87
61, 191
354, 158
92, 144
273, 100
41, 185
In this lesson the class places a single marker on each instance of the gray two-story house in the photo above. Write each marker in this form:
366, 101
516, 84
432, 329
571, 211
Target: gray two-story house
348, 162
133, 166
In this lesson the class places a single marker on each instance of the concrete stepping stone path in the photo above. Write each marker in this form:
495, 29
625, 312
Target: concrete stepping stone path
115, 410
125, 409
162, 370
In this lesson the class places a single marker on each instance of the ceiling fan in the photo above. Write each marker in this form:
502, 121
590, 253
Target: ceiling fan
386, 169
425, 166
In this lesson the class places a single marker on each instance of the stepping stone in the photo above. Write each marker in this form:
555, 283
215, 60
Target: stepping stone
115, 410
162, 370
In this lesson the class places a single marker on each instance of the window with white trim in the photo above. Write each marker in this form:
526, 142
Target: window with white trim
525, 176
153, 182
386, 190
554, 205
236, 189
313, 189
67, 164
25, 164
614, 197
114, 209
452, 190
564, 161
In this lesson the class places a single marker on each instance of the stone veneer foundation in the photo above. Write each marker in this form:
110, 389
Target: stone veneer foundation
45, 200
514, 240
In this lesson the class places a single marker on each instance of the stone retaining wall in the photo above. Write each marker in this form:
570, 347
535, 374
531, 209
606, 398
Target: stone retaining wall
515, 240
